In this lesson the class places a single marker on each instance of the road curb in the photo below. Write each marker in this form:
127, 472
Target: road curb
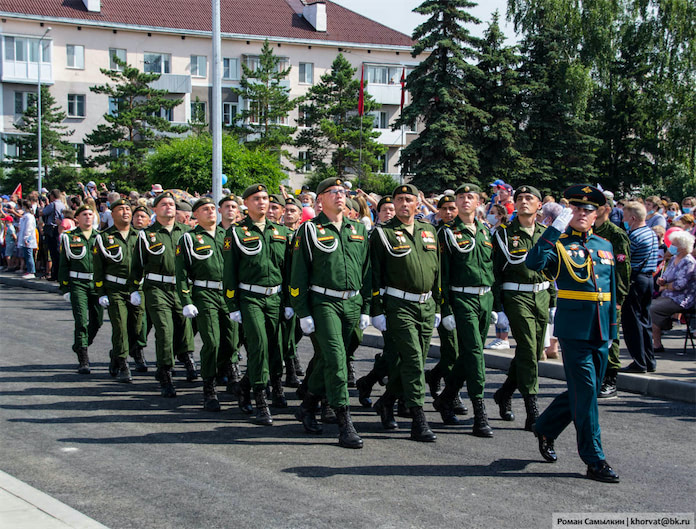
32, 284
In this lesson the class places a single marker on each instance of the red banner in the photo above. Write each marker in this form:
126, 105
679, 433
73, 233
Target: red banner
18, 190
403, 88
361, 96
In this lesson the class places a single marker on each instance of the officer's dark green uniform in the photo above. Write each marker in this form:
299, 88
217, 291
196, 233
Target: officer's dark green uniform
76, 276
146, 323
525, 296
583, 266
622, 257
113, 256
253, 280
467, 276
154, 262
199, 273
406, 290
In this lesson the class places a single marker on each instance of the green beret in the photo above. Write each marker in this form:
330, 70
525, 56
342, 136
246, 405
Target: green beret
277, 199
405, 189
183, 205
225, 199
159, 197
83, 207
527, 189
384, 200
119, 202
293, 201
352, 204
467, 188
444, 200
329, 182
585, 196
252, 190
202, 202
144, 209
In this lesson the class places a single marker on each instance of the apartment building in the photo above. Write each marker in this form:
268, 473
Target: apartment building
67, 42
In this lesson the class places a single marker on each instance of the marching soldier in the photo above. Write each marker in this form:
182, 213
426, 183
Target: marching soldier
154, 261
583, 266
405, 306
113, 255
76, 279
276, 208
329, 290
255, 251
141, 220
525, 296
467, 277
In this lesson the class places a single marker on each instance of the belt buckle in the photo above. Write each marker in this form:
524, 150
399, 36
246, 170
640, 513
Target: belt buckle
423, 298
536, 287
269, 291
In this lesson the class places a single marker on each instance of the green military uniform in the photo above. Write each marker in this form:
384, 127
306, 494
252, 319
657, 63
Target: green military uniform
228, 358
76, 276
290, 334
113, 256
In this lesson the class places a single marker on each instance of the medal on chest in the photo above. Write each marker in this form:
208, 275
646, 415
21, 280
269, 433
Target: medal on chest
199, 238
110, 240
76, 238
321, 229
153, 237
515, 241
428, 237
400, 236
275, 231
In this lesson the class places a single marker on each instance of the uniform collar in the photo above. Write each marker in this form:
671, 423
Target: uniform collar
581, 235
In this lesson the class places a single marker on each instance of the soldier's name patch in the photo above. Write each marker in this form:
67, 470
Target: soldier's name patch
204, 247
357, 238
252, 238
403, 247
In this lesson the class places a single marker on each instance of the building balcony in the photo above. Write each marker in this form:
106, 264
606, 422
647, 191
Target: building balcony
385, 94
391, 138
26, 72
173, 83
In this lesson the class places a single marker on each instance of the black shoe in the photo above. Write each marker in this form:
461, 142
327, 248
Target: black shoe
328, 416
347, 436
402, 410
420, 431
364, 391
278, 399
305, 414
167, 389
481, 426
652, 369
139, 361
291, 380
660, 349
235, 376
601, 471
432, 378
608, 389
223, 376
210, 399
351, 376
190, 365
124, 374
113, 364
263, 415
298, 367
504, 402
632, 368
546, 448
530, 404
245, 396
384, 407
83, 361
458, 406
445, 406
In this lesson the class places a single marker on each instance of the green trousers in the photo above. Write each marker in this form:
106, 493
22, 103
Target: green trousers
528, 313
448, 352
354, 342
126, 323
614, 362
173, 333
145, 325
334, 320
473, 315
290, 334
260, 322
88, 314
215, 328
407, 341
229, 351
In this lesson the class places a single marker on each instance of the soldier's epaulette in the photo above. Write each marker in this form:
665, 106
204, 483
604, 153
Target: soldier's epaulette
503, 226
563, 236
599, 237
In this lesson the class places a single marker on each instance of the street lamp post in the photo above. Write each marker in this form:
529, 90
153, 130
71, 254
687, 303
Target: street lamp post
38, 105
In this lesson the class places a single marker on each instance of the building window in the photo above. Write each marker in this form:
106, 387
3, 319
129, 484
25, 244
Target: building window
76, 105
118, 53
229, 114
76, 56
23, 100
198, 66
79, 158
306, 73
114, 104
306, 167
166, 113
198, 112
382, 164
381, 120
230, 69
157, 63
253, 62
21, 49
384, 74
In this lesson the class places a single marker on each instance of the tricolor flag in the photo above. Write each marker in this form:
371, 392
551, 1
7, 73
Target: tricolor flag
361, 96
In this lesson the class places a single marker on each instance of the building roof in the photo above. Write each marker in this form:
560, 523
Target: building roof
271, 18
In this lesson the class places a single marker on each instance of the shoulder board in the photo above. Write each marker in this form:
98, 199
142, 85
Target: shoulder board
563, 236
503, 226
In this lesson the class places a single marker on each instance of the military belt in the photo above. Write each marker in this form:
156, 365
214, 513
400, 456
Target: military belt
526, 287
117, 280
584, 296
215, 285
408, 296
258, 289
161, 279
81, 275
479, 291
340, 294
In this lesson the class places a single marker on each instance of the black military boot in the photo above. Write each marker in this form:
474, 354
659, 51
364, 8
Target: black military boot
210, 399
546, 448
263, 415
83, 361
364, 385
124, 374
503, 398
166, 385
608, 389
458, 406
291, 380
139, 360
298, 367
402, 410
278, 399
481, 427
420, 431
530, 404
305, 414
347, 436
384, 407
233, 380
432, 378
327, 414
190, 365
223, 376
351, 375
444, 403
302, 391
113, 364
245, 396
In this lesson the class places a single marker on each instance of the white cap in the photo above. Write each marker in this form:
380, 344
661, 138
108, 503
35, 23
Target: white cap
349, 185
157, 188
449, 192
91, 184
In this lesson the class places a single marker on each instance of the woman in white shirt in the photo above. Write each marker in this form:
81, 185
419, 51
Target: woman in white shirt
26, 240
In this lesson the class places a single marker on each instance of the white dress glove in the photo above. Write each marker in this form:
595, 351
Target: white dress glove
494, 317
135, 299
190, 311
104, 301
502, 321
563, 219
552, 315
438, 319
449, 323
364, 322
236, 316
307, 325
66, 297
380, 322
288, 313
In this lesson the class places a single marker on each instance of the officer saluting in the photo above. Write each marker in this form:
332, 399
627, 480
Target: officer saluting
583, 265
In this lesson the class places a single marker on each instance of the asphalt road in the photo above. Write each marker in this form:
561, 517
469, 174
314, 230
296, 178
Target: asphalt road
129, 459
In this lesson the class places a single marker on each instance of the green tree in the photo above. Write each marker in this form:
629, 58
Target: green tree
134, 124
186, 163
442, 89
268, 102
337, 140
55, 149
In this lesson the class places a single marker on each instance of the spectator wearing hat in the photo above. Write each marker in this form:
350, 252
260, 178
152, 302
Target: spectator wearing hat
156, 189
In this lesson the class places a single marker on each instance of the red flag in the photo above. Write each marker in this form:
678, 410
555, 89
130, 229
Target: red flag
18, 190
361, 96
403, 88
